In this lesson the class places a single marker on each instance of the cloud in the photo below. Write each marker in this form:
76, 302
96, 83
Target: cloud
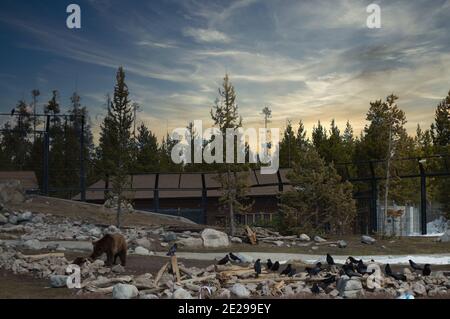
206, 35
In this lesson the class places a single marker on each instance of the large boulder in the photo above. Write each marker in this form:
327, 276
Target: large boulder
144, 242
169, 236
141, 251
240, 291
25, 217
342, 244
181, 293
12, 192
124, 291
58, 281
349, 287
33, 244
214, 238
367, 240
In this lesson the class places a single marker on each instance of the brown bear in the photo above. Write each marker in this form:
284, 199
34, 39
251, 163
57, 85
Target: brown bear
114, 245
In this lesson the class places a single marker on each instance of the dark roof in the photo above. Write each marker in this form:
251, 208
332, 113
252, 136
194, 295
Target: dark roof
188, 185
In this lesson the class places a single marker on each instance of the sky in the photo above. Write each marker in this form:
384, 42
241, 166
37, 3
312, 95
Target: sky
308, 60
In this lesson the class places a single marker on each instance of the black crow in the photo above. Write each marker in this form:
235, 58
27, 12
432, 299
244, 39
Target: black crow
396, 276
275, 266
292, 272
330, 260
314, 271
257, 267
287, 270
426, 270
350, 271
361, 268
329, 280
315, 289
352, 260
13, 111
414, 266
234, 257
269, 264
224, 260
172, 250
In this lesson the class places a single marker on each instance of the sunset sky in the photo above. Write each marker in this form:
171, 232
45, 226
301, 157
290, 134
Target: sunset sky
309, 60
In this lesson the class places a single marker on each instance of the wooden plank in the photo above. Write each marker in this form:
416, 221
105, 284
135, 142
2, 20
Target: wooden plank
160, 273
175, 268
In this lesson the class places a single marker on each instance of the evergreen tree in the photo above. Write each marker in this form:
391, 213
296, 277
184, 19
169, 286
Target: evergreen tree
147, 160
288, 147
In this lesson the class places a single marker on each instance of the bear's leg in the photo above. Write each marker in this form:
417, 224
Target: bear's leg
109, 259
123, 257
115, 258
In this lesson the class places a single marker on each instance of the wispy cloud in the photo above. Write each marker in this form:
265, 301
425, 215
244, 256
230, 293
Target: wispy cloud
206, 35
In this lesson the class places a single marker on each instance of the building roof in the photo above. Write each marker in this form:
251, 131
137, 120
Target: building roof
187, 185
27, 178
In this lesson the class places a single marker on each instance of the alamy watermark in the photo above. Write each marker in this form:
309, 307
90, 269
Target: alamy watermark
260, 145
374, 19
73, 21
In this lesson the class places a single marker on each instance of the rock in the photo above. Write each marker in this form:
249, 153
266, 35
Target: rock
141, 251
236, 240
169, 236
342, 244
278, 243
180, 293
319, 239
33, 244
224, 293
25, 217
144, 242
12, 192
95, 232
111, 230
304, 237
53, 246
314, 247
124, 291
349, 288
58, 281
214, 238
334, 293
191, 242
419, 289
13, 219
240, 291
118, 269
445, 238
149, 296
164, 244
367, 240
3, 219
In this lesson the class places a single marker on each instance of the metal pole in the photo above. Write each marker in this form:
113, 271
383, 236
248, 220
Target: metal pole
46, 156
374, 198
423, 199
82, 172
204, 199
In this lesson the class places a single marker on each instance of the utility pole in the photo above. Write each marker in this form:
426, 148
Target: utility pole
386, 192
35, 93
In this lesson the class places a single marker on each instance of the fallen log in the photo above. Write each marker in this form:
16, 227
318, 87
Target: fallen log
251, 235
107, 290
175, 269
42, 256
160, 273
198, 279
100, 283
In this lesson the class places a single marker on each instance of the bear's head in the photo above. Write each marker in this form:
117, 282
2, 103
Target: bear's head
99, 249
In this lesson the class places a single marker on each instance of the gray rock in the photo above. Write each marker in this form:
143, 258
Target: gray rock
278, 243
25, 217
214, 238
314, 247
191, 242
342, 244
124, 291
334, 293
319, 239
111, 230
224, 294
118, 269
3, 219
304, 237
13, 219
445, 238
52, 246
33, 244
12, 192
95, 232
240, 291
236, 240
349, 288
144, 242
169, 236
180, 293
148, 296
141, 251
58, 281
367, 240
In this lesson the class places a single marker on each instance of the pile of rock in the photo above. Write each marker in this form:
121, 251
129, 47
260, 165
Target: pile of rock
112, 203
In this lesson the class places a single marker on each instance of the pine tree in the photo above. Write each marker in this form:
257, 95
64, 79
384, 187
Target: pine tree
234, 186
147, 151
288, 146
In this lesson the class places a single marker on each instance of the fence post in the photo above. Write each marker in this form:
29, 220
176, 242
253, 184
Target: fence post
156, 193
423, 198
374, 198
204, 199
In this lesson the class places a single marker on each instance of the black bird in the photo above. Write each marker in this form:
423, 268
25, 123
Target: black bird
287, 270
13, 111
275, 266
350, 271
352, 260
426, 270
172, 250
361, 268
414, 266
269, 264
328, 280
314, 271
234, 257
315, 289
292, 272
330, 260
257, 267
396, 276
224, 260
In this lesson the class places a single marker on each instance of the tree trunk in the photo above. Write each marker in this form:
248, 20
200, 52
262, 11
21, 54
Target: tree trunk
386, 192
230, 203
119, 210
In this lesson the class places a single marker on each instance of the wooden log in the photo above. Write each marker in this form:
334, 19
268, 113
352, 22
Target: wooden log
198, 279
106, 291
100, 283
220, 268
160, 273
42, 256
175, 268
251, 235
